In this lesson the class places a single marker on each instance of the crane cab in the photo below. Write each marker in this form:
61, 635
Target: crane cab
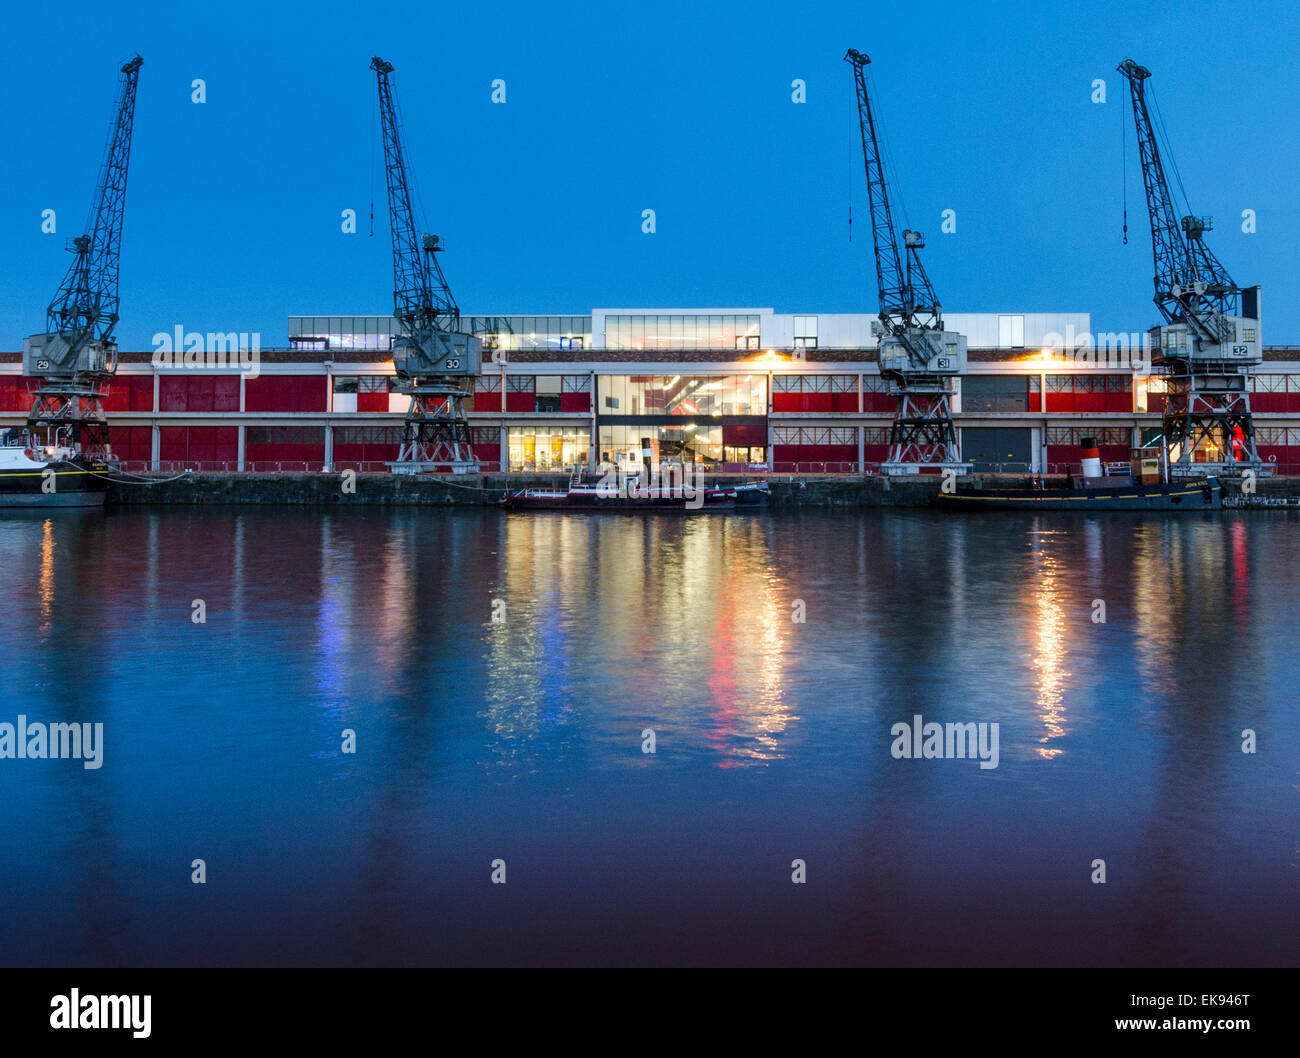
61, 355
944, 353
447, 353
1175, 343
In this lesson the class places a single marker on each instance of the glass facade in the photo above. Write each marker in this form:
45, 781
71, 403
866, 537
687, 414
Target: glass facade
541, 448
682, 394
665, 333
558, 333
323, 333
688, 443
554, 333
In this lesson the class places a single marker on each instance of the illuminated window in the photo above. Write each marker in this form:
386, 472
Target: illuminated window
547, 448
675, 333
805, 332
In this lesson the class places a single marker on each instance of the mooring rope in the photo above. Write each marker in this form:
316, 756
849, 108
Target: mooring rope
135, 479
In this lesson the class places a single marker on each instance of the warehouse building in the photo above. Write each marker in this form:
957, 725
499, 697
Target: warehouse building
732, 389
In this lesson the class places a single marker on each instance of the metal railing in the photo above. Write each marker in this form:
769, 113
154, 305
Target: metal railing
262, 466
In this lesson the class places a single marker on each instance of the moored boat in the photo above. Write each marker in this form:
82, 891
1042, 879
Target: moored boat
52, 476
1189, 495
629, 493
1141, 490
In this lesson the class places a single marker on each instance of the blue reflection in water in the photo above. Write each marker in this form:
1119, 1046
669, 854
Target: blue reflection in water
522, 739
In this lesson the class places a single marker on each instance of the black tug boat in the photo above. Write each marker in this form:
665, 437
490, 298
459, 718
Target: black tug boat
1140, 490
53, 474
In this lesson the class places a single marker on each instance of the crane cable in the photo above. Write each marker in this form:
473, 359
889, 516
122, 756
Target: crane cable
1159, 124
374, 146
1123, 134
850, 191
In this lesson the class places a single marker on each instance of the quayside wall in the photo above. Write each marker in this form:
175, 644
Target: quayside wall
442, 490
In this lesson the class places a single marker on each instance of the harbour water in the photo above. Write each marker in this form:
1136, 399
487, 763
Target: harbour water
501, 673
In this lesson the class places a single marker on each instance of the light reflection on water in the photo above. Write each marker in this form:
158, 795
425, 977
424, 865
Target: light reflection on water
522, 737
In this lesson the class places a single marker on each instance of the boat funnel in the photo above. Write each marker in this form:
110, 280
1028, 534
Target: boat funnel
1091, 457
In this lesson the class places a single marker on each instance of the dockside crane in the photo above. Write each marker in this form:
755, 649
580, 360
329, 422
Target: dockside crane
1210, 341
77, 355
433, 362
918, 357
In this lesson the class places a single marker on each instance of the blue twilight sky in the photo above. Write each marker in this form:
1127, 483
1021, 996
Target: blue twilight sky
233, 209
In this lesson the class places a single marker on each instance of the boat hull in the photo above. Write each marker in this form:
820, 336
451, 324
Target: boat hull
76, 484
531, 500
1205, 495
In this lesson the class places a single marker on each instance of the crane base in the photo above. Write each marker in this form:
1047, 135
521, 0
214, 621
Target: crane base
962, 469
433, 467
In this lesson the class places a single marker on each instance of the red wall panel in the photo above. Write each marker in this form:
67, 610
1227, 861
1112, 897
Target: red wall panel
173, 391
372, 402
225, 393
199, 395
820, 453
487, 401
786, 402
744, 435
16, 394
285, 453
568, 402
366, 453
283, 393
13, 396
130, 393
131, 442
520, 402
173, 442
198, 444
